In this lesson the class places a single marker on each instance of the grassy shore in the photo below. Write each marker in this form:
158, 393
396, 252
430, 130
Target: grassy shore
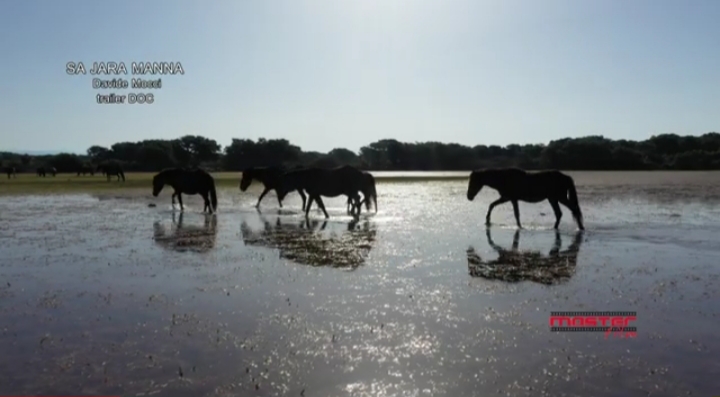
70, 183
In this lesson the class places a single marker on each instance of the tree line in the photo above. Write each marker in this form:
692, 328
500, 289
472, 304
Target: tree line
660, 152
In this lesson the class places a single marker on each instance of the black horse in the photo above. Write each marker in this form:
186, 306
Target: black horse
188, 181
43, 171
85, 169
368, 193
111, 169
11, 172
270, 178
515, 185
317, 182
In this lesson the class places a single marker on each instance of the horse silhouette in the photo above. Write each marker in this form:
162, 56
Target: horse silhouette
85, 169
43, 171
112, 169
317, 182
270, 177
515, 185
188, 181
11, 172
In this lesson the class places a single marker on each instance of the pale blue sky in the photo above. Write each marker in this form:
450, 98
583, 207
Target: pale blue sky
330, 73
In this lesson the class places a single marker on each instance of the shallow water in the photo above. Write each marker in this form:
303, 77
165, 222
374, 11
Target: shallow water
104, 295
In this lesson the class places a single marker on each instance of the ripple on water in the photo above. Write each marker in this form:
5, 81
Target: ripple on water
418, 299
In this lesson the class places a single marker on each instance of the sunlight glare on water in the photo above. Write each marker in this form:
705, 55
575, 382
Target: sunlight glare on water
419, 298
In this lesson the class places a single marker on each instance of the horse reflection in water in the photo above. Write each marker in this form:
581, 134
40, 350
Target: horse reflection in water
514, 265
184, 237
303, 242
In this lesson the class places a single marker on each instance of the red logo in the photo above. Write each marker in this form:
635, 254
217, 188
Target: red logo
617, 324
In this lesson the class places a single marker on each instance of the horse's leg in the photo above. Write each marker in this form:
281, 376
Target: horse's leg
516, 210
180, 201
304, 198
321, 205
499, 201
557, 211
279, 201
309, 205
357, 204
263, 195
206, 201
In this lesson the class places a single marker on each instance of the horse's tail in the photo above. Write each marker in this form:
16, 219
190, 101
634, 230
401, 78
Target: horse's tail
213, 196
572, 196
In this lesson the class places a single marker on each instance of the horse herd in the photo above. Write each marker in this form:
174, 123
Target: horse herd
109, 170
313, 183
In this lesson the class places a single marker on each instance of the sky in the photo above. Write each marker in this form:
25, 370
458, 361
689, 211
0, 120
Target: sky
326, 74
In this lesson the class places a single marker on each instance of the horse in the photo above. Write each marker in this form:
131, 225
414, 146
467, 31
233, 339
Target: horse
111, 169
188, 181
11, 172
43, 171
515, 185
270, 178
368, 191
85, 169
317, 182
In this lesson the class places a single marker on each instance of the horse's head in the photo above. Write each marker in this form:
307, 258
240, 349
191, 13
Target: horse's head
247, 177
158, 184
477, 181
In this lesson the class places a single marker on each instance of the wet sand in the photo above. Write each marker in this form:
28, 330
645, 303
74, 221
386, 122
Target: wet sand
105, 295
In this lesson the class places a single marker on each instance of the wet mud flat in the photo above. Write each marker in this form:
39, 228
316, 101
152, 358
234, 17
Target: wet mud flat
105, 295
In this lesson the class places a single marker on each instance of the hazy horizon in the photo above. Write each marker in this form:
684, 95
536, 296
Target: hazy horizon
324, 74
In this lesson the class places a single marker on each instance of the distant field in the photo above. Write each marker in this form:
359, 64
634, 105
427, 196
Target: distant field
67, 183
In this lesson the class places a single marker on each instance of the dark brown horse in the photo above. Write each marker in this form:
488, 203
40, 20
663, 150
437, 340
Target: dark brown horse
515, 185
270, 178
11, 172
188, 181
85, 169
43, 171
317, 182
112, 169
